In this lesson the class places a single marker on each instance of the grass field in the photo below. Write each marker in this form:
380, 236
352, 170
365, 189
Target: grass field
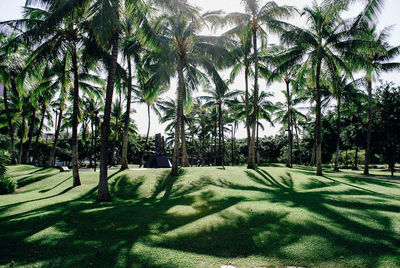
206, 217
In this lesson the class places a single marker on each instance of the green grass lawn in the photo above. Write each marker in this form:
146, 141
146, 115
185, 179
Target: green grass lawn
207, 217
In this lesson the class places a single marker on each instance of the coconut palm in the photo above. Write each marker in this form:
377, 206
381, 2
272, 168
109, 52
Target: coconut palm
220, 96
188, 51
374, 61
255, 18
321, 47
11, 64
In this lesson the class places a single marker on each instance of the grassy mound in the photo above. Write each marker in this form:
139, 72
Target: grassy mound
206, 217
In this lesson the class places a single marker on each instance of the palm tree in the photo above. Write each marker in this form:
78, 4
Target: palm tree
132, 46
320, 47
256, 17
188, 51
220, 96
11, 63
374, 61
242, 33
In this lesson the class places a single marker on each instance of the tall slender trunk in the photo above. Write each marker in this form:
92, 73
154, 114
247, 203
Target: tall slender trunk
258, 142
338, 127
179, 115
147, 136
298, 141
75, 111
290, 134
43, 115
318, 153
95, 140
10, 125
215, 144
56, 136
21, 143
21, 138
246, 99
233, 144
124, 157
103, 193
30, 137
92, 141
185, 159
220, 130
252, 159
369, 129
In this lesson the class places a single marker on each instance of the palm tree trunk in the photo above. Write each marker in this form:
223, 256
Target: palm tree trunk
21, 143
75, 111
290, 134
318, 153
30, 137
10, 125
43, 115
92, 141
252, 160
95, 140
258, 142
103, 193
233, 145
215, 144
124, 157
147, 136
298, 141
56, 136
246, 99
336, 167
179, 115
220, 161
369, 129
185, 159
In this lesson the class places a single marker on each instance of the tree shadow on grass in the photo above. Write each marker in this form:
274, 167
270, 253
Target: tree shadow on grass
195, 218
32, 179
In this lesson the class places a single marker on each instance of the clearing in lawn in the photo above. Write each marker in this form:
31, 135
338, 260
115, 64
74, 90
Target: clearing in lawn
206, 217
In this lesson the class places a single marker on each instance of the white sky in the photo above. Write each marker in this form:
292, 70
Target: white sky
11, 9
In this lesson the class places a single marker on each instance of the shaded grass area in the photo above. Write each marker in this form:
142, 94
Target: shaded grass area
206, 217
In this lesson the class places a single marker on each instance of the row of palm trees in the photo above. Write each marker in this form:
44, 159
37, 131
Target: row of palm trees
61, 49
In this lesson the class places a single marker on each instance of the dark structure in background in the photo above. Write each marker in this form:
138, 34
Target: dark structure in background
160, 160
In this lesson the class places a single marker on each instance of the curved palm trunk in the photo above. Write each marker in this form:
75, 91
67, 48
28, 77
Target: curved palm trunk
21, 143
318, 153
246, 99
43, 114
56, 136
103, 193
252, 159
10, 125
336, 167
147, 136
30, 137
75, 111
185, 158
124, 157
179, 115
369, 129
290, 134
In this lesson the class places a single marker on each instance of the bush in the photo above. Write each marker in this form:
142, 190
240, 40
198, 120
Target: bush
7, 185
